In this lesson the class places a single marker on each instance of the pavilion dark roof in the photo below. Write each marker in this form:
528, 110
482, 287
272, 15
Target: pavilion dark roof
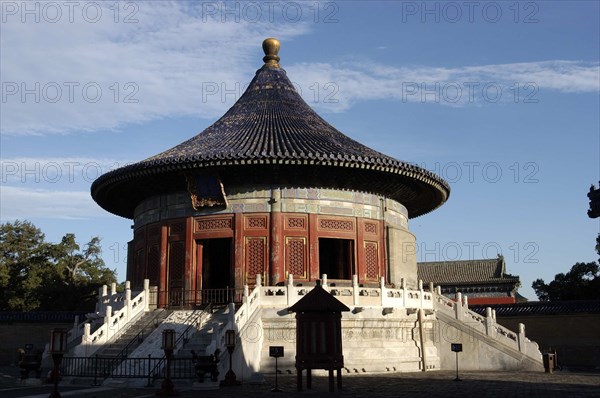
318, 300
463, 272
271, 125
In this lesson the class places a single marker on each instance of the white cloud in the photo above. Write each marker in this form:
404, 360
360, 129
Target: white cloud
25, 203
55, 171
345, 84
180, 58
89, 76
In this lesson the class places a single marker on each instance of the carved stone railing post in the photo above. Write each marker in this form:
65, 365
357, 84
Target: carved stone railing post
102, 298
128, 305
421, 293
324, 281
258, 280
489, 322
383, 291
107, 317
87, 328
466, 302
289, 289
146, 294
522, 340
231, 313
113, 292
458, 307
246, 293
355, 289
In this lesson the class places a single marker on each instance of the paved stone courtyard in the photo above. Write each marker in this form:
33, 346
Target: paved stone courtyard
430, 384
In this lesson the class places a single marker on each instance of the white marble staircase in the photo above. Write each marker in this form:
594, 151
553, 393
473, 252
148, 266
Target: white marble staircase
134, 335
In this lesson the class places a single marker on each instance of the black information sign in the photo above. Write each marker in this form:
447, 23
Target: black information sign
456, 347
276, 351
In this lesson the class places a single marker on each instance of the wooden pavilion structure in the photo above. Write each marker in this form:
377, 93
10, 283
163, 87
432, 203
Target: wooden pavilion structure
269, 189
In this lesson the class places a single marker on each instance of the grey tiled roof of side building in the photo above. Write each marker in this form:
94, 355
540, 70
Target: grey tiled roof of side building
465, 272
542, 308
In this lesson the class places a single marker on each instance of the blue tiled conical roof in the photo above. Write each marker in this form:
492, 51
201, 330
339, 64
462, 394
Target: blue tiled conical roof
270, 131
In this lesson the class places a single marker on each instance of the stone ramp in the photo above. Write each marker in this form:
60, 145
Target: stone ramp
486, 345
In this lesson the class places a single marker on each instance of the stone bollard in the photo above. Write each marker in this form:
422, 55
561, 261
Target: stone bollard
458, 306
146, 294
355, 290
489, 322
522, 338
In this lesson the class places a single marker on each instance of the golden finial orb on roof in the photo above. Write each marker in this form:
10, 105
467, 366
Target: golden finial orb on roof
271, 48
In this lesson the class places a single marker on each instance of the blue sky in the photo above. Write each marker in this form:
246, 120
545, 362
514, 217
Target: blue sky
500, 98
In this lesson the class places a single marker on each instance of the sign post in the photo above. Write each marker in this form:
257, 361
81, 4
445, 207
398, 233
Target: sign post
276, 352
456, 347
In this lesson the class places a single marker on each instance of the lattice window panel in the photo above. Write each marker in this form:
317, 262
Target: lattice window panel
371, 260
154, 232
370, 228
219, 223
338, 225
176, 229
296, 222
256, 222
138, 235
296, 257
255, 257
176, 263
139, 266
153, 264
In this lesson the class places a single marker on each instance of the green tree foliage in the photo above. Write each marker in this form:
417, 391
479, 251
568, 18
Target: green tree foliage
39, 276
582, 282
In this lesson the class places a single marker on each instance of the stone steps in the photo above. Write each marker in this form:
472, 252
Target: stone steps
133, 332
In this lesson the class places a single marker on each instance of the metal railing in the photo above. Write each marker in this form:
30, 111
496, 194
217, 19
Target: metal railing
139, 338
130, 368
194, 320
182, 298
120, 366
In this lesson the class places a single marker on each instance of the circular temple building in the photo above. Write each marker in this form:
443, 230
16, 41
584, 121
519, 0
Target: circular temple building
269, 189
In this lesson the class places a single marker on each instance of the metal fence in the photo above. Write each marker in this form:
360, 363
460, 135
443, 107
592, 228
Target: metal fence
129, 368
42, 316
120, 366
181, 298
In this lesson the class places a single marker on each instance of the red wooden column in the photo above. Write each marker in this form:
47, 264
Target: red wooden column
276, 271
360, 250
189, 264
238, 260
162, 285
313, 252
